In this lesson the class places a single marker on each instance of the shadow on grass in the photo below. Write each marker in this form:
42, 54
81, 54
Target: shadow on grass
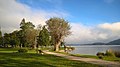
21, 60
37, 60
22, 63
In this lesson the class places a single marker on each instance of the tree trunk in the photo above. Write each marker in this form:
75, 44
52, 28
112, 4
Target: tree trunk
56, 46
35, 44
20, 45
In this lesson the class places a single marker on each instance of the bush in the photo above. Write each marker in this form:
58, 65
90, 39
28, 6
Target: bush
22, 50
100, 55
70, 48
117, 53
110, 53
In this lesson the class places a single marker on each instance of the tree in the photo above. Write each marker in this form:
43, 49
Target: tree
28, 33
59, 29
20, 35
0, 32
14, 39
31, 37
11, 39
6, 39
1, 38
26, 25
44, 37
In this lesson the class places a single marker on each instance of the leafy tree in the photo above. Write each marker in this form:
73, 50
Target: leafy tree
1, 38
31, 37
20, 35
44, 37
28, 34
14, 39
0, 32
11, 39
59, 28
1, 41
6, 39
26, 25
12, 43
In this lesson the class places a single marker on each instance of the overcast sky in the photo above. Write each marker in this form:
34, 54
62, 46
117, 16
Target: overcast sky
91, 20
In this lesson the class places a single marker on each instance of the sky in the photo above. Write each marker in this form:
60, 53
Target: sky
91, 20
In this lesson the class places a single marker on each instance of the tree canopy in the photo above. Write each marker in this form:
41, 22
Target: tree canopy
53, 33
59, 29
44, 37
28, 33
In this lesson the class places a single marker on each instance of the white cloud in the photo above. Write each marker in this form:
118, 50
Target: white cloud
101, 33
12, 12
80, 34
111, 26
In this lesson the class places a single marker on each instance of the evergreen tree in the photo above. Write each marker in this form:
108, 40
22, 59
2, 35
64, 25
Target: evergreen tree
44, 37
27, 34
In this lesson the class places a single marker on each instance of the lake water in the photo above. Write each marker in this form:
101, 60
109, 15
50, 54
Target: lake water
93, 49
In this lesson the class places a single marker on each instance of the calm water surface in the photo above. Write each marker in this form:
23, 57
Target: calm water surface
93, 49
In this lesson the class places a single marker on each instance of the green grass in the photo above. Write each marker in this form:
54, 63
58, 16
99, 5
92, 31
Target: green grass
10, 58
115, 59
107, 58
85, 56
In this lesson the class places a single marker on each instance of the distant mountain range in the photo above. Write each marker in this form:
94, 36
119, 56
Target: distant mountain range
114, 42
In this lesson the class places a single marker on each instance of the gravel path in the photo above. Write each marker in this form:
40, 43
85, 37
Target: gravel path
88, 60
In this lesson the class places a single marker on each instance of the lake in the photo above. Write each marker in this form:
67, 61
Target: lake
93, 49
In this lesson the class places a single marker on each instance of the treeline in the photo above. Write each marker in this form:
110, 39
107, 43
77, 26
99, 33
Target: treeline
51, 34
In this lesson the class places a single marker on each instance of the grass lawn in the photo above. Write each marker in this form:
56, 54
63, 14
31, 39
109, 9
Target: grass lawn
108, 58
8, 58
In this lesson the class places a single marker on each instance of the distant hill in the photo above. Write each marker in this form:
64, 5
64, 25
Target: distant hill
114, 42
99, 43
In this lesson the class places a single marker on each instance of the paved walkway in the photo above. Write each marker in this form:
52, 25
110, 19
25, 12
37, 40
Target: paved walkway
87, 60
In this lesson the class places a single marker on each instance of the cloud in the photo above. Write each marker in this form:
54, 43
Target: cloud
80, 34
12, 12
101, 33
111, 26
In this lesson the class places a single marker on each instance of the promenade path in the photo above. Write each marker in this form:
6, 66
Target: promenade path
87, 60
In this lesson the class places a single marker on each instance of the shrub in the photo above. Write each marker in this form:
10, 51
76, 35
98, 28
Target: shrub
22, 50
72, 48
117, 53
110, 53
100, 55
